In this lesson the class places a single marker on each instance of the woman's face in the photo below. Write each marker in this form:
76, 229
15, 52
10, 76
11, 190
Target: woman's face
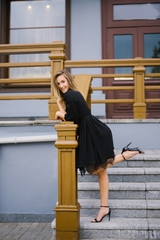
62, 83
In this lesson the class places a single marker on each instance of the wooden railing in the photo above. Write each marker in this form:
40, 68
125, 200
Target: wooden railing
58, 61
138, 65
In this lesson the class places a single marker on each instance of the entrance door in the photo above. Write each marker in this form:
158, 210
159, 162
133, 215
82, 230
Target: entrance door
150, 39
129, 36
122, 44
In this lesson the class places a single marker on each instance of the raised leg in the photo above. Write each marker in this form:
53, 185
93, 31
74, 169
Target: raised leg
119, 158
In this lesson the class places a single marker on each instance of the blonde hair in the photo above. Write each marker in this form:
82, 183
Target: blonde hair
71, 83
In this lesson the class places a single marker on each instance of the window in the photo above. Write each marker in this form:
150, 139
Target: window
36, 22
148, 11
123, 50
152, 49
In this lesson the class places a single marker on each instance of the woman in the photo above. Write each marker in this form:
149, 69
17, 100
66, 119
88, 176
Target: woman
95, 152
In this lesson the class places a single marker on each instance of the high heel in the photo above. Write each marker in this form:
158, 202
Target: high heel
131, 149
109, 215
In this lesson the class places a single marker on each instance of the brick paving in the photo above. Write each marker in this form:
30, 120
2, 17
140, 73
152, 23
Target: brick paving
26, 231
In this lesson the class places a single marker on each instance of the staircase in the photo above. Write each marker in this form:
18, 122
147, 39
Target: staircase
134, 198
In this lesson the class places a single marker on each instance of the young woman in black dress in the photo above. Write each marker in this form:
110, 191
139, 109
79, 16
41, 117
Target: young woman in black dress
95, 152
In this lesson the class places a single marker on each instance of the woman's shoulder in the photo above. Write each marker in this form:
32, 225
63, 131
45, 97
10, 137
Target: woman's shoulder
72, 93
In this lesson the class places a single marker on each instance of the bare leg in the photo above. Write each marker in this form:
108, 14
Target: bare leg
104, 189
119, 158
104, 183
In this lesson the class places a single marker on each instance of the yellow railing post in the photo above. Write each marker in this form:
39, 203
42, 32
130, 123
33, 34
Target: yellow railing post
57, 58
139, 106
89, 97
68, 208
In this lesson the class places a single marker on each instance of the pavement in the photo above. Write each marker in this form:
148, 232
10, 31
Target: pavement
26, 231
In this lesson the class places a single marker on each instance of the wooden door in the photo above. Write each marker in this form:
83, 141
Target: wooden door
121, 44
129, 38
149, 38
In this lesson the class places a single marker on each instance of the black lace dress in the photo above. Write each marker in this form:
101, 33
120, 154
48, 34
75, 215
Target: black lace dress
95, 143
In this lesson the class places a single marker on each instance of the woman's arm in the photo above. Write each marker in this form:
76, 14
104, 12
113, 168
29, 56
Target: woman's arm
61, 109
61, 113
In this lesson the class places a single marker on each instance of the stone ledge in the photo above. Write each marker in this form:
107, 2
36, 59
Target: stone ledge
121, 224
122, 203
114, 186
44, 121
28, 123
133, 186
133, 171
28, 139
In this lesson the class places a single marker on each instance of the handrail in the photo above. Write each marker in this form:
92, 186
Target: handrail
25, 64
29, 48
26, 97
25, 80
109, 88
113, 101
113, 63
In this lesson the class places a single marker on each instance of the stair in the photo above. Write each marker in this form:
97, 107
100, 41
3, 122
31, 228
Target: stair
134, 198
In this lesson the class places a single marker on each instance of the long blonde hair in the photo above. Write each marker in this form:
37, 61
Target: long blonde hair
71, 83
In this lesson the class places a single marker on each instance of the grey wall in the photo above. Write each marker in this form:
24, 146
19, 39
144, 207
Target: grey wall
143, 135
24, 108
86, 42
28, 178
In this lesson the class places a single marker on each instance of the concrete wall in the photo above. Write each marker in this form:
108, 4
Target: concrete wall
86, 42
144, 135
24, 108
28, 177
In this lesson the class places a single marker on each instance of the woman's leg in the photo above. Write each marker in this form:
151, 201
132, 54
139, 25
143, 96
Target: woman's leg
119, 158
104, 189
104, 182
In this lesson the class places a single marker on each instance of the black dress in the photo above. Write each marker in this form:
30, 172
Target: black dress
95, 143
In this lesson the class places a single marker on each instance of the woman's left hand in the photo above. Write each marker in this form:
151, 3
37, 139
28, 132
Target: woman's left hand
59, 116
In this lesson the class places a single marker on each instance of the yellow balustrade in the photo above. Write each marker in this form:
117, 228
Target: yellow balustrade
57, 61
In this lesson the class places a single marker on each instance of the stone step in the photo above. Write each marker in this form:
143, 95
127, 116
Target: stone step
120, 228
123, 208
126, 174
120, 190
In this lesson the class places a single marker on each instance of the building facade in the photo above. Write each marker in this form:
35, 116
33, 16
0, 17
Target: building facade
92, 30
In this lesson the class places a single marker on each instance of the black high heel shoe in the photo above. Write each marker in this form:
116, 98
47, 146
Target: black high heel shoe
109, 215
131, 149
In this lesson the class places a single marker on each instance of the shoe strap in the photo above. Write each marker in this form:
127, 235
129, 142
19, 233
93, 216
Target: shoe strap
105, 206
123, 156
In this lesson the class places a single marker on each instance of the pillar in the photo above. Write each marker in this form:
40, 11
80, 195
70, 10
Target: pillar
68, 208
57, 58
139, 106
